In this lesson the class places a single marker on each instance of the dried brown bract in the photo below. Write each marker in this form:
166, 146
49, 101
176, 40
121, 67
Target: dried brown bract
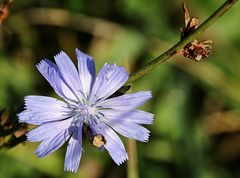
4, 9
20, 132
191, 23
10, 130
195, 50
96, 140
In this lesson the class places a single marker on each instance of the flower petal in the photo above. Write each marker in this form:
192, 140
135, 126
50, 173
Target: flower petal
69, 73
113, 144
86, 68
52, 144
74, 151
48, 130
52, 74
109, 80
127, 101
135, 116
41, 109
129, 130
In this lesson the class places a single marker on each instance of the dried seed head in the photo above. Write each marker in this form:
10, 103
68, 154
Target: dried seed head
197, 50
98, 141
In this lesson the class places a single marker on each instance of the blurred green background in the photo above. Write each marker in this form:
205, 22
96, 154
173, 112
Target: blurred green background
196, 131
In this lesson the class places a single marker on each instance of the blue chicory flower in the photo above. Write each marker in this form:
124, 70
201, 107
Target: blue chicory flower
86, 106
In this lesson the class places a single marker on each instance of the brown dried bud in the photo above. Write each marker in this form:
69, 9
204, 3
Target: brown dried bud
4, 9
96, 140
18, 133
191, 23
197, 50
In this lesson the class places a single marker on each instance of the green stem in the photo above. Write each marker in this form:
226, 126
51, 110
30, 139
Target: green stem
133, 162
172, 51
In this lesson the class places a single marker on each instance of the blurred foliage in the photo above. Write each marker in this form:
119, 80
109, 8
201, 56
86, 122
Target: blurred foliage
196, 105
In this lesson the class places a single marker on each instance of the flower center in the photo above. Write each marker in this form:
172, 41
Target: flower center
83, 112
86, 110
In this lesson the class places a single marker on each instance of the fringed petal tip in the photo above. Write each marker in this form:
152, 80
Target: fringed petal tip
121, 159
19, 117
146, 137
148, 94
29, 137
40, 63
44, 64
70, 170
61, 53
74, 152
23, 116
152, 118
148, 120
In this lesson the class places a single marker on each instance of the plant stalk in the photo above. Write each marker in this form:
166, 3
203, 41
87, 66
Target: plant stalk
183, 42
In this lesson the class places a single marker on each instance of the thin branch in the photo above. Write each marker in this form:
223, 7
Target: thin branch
12, 142
183, 42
